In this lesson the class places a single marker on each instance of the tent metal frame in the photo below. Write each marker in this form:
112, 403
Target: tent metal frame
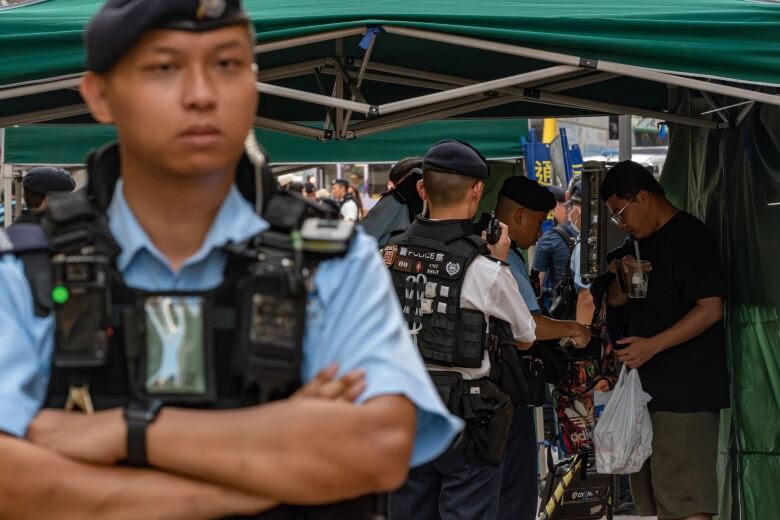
545, 86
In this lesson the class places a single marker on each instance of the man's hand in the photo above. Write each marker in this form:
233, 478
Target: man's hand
580, 334
346, 388
638, 352
97, 439
500, 249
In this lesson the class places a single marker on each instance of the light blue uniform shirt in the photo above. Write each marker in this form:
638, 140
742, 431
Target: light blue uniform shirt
575, 266
353, 319
520, 274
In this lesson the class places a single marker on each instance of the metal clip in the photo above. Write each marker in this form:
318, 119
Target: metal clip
79, 397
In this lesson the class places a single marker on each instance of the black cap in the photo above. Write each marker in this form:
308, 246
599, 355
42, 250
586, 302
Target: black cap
575, 192
453, 156
529, 194
120, 23
559, 193
45, 179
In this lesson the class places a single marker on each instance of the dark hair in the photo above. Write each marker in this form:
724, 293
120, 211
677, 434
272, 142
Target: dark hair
626, 179
342, 182
446, 189
33, 199
402, 168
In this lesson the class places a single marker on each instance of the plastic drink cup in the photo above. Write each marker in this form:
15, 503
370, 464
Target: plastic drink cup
637, 277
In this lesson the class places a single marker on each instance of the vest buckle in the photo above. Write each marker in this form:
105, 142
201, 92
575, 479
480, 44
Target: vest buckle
79, 397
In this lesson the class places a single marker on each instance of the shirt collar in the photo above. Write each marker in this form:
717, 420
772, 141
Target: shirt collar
236, 221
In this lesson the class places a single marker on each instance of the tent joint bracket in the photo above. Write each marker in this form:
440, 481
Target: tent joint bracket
588, 63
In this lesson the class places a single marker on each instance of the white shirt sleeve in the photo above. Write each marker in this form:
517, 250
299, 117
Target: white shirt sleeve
349, 211
488, 286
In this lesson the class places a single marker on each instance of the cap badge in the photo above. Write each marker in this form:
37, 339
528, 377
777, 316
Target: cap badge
210, 8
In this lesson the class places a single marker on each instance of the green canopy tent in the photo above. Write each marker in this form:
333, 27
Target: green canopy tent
711, 68
495, 138
439, 58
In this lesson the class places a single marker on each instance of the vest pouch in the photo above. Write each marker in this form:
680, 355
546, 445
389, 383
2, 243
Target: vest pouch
488, 413
471, 339
81, 311
533, 370
271, 325
450, 388
172, 353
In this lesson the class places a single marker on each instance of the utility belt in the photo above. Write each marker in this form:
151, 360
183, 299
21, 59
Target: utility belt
486, 409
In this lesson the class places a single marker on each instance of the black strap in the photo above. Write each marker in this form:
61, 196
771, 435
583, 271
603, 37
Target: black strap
564, 234
29, 243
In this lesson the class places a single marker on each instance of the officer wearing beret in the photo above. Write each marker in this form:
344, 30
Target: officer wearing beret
400, 205
342, 408
462, 305
37, 184
523, 205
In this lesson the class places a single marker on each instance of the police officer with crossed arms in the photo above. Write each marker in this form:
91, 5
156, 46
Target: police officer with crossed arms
175, 355
461, 305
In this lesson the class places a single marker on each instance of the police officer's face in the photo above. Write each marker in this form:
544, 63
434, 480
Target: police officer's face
182, 102
527, 226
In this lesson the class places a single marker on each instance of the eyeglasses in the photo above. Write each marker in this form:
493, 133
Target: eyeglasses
617, 218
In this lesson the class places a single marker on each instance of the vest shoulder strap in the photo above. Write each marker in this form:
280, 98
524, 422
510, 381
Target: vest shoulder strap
29, 243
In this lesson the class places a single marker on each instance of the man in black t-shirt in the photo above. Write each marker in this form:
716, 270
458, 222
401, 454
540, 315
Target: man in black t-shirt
674, 337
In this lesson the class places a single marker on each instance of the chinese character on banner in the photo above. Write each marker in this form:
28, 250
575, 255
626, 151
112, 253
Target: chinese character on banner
543, 172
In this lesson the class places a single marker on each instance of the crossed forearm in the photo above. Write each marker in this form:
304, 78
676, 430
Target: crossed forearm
300, 451
37, 483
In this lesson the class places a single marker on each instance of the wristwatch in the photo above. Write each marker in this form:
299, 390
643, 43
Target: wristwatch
138, 416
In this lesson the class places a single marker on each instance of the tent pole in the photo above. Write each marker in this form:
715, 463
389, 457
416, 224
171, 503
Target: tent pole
743, 114
317, 99
625, 137
610, 108
413, 112
290, 71
359, 82
578, 82
378, 125
603, 66
711, 101
305, 40
44, 115
5, 173
39, 88
478, 88
290, 128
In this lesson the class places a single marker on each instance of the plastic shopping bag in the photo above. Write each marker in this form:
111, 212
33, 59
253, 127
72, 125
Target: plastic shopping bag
623, 436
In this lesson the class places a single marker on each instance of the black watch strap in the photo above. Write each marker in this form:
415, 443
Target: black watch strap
138, 416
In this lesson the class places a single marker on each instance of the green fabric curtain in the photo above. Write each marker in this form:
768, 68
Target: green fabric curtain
495, 138
731, 180
728, 38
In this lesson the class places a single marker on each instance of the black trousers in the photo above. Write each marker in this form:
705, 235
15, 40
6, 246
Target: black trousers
519, 488
451, 487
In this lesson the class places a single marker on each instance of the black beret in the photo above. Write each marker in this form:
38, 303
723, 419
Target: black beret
454, 156
529, 194
45, 179
120, 23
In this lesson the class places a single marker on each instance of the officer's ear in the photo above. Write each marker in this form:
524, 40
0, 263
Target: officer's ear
478, 188
93, 90
421, 190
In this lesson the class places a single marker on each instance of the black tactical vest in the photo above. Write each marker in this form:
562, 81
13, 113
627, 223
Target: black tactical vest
428, 263
237, 376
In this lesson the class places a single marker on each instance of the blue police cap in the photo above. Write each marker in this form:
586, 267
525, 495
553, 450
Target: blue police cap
119, 24
45, 179
455, 156
529, 194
